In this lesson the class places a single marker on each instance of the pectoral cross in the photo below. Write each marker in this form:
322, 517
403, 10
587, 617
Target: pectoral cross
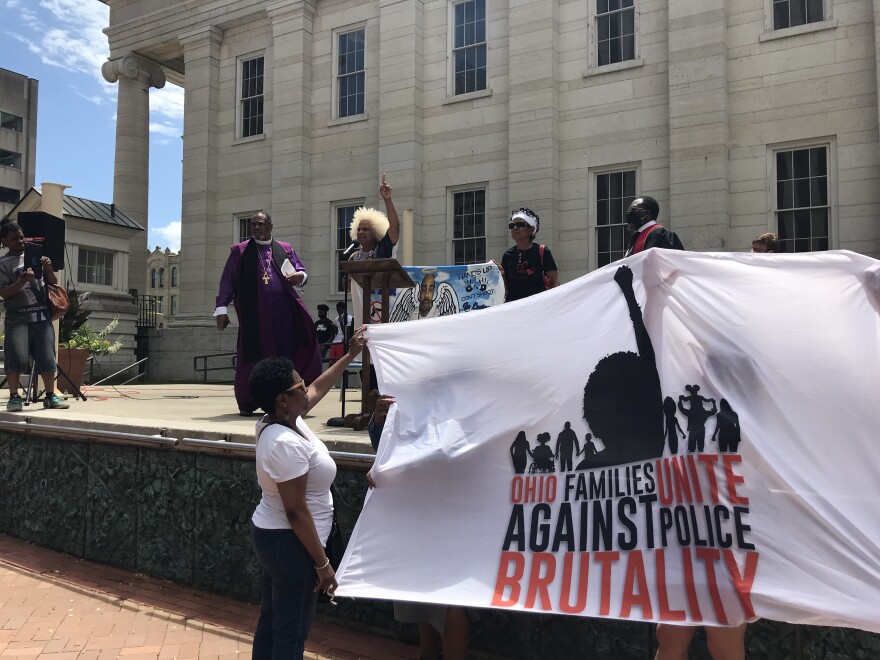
265, 277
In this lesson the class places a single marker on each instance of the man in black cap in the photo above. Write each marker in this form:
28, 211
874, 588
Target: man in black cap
646, 232
325, 329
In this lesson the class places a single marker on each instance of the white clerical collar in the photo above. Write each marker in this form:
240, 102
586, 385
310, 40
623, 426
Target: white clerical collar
650, 223
259, 242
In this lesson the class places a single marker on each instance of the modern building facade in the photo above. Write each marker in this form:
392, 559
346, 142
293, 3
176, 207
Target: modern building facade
740, 118
18, 137
163, 283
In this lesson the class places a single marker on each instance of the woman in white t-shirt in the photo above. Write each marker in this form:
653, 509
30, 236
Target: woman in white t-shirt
292, 522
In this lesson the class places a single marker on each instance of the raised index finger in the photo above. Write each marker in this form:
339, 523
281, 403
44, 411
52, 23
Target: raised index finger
383, 178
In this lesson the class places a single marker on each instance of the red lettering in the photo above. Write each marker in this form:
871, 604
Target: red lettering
665, 497
695, 477
516, 490
505, 581
682, 485
709, 556
743, 583
606, 559
541, 576
635, 575
733, 479
689, 589
550, 490
708, 461
565, 589
530, 491
666, 614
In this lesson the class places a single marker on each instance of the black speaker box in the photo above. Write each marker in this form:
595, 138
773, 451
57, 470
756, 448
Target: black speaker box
47, 231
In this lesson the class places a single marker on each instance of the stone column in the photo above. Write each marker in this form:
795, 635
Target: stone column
532, 161
698, 124
198, 275
131, 183
292, 120
400, 116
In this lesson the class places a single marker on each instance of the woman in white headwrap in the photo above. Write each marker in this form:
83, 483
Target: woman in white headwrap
528, 267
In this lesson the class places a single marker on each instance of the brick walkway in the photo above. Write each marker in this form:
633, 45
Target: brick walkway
58, 607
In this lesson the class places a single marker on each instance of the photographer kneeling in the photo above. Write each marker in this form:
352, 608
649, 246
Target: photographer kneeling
28, 326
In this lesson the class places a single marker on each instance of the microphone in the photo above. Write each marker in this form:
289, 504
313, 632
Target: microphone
351, 248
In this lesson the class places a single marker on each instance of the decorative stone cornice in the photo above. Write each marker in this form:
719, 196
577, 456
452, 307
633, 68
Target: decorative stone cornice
132, 66
208, 33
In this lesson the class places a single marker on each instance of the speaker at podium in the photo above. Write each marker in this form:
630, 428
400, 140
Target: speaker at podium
47, 231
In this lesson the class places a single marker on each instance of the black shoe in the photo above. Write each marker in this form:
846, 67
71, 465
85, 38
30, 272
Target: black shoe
245, 413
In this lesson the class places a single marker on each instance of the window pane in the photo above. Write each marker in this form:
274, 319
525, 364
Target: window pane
784, 168
801, 224
819, 223
603, 27
616, 181
801, 193
11, 122
818, 162
784, 195
601, 6
780, 15
798, 14
814, 11
801, 163
819, 191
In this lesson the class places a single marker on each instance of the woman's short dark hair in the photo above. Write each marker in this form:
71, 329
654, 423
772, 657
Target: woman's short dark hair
7, 227
651, 206
270, 378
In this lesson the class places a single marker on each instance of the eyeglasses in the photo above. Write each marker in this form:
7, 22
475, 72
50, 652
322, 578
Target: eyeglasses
301, 385
517, 225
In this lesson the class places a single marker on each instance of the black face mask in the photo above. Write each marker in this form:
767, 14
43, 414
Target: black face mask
635, 218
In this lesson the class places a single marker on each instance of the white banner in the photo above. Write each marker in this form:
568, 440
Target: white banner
675, 437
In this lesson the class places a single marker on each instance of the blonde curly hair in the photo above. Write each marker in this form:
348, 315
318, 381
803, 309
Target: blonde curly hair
377, 220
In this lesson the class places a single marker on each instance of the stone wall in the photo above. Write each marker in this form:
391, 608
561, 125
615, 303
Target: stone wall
183, 515
172, 351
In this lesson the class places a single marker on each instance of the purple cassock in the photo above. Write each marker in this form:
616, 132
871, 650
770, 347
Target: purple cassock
273, 319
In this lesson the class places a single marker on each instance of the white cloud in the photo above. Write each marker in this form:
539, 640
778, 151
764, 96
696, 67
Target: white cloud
169, 130
91, 98
75, 41
169, 235
168, 102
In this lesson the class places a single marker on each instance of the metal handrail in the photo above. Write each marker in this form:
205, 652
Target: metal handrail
205, 368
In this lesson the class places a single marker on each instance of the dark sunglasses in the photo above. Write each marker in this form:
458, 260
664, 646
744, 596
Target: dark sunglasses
517, 225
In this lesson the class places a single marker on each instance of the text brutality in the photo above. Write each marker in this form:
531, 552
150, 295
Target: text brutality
563, 525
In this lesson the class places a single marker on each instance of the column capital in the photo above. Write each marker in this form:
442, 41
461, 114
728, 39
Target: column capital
132, 66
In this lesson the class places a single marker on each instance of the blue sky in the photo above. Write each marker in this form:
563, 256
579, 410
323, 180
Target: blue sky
61, 44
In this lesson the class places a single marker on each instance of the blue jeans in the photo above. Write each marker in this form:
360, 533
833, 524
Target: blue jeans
287, 601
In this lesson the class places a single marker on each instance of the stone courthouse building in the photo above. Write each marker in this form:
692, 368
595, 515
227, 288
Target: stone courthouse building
739, 117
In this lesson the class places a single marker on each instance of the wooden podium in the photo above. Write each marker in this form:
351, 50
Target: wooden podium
372, 274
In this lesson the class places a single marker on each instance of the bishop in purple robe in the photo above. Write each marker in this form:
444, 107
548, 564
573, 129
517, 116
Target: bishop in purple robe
273, 319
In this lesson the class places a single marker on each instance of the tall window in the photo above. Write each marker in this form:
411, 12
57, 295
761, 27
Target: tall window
344, 215
160, 305
469, 48
153, 280
789, 13
10, 122
252, 97
161, 277
10, 159
173, 276
95, 267
350, 73
244, 228
173, 305
615, 191
615, 30
8, 195
802, 210
469, 227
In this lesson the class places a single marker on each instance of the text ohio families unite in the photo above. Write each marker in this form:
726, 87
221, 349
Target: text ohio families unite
611, 530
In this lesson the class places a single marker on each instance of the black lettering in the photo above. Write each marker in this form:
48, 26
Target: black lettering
649, 477
725, 540
564, 529
681, 525
647, 502
665, 525
625, 508
602, 525
597, 485
535, 544
516, 530
741, 527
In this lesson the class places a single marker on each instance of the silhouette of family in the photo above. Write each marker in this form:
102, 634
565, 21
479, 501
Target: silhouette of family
625, 408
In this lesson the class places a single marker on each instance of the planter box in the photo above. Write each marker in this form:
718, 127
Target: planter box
73, 362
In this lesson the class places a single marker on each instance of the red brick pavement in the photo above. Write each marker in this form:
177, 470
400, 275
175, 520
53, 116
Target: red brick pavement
61, 608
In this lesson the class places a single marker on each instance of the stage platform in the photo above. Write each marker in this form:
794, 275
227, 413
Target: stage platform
200, 411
